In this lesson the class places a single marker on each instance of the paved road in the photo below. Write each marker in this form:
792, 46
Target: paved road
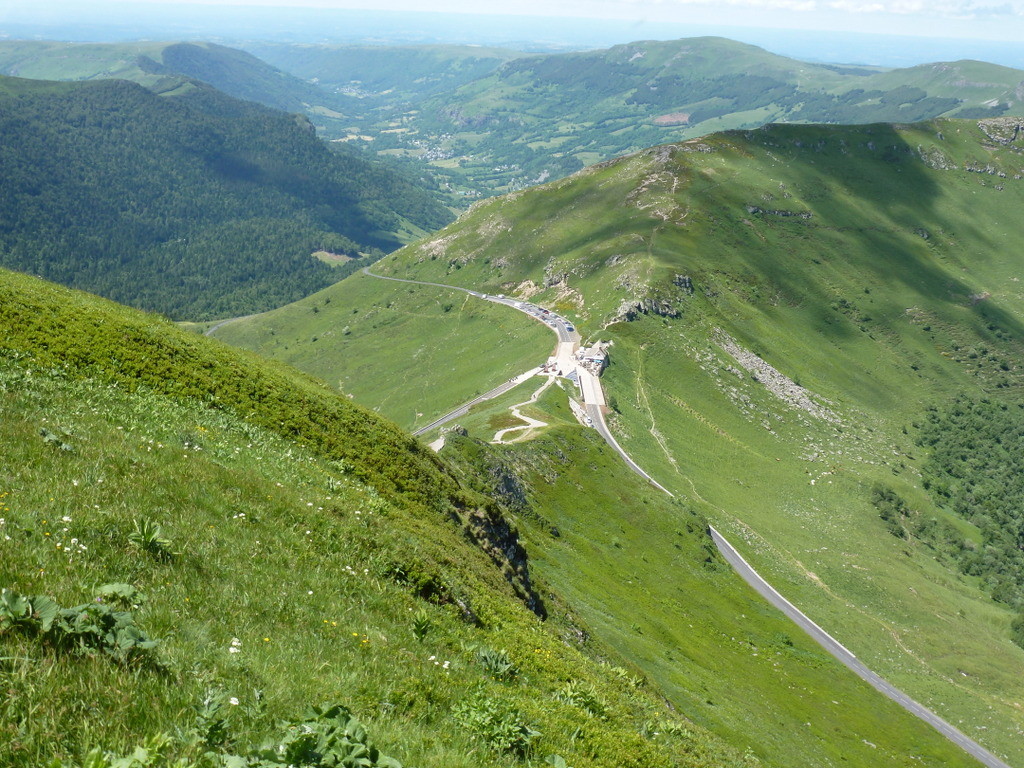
595, 414
463, 409
565, 330
846, 657
220, 324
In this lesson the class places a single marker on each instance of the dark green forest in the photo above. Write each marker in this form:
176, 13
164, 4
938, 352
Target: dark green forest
194, 204
976, 469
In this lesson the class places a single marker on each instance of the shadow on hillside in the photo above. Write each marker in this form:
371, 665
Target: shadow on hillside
875, 212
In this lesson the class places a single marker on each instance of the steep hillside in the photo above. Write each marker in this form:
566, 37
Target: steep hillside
794, 311
193, 204
540, 117
287, 548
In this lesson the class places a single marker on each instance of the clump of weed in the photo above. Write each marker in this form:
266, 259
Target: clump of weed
421, 625
499, 726
497, 664
584, 696
95, 627
149, 537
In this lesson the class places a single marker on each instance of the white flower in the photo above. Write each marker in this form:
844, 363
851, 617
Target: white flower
233, 701
66, 518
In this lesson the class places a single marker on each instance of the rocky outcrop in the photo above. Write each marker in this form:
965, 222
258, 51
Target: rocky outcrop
684, 282
1003, 130
757, 210
631, 309
488, 529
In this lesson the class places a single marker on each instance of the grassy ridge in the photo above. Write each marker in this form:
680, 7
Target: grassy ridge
875, 266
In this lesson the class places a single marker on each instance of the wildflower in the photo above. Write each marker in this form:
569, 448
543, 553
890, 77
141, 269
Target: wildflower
236, 644
233, 701
66, 519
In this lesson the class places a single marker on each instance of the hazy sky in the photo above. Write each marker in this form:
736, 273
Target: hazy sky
996, 19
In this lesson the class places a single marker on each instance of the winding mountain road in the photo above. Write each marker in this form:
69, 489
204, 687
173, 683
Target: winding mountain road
594, 404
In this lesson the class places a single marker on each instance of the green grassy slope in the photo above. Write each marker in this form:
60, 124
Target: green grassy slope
662, 597
411, 352
196, 205
305, 538
877, 267
300, 530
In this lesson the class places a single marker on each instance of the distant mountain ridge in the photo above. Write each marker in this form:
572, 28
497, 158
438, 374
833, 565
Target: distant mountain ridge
161, 65
484, 121
193, 204
539, 117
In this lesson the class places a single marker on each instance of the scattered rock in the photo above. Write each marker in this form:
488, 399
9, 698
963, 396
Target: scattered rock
775, 382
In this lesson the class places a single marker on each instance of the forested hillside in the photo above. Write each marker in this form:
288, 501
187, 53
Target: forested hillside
193, 203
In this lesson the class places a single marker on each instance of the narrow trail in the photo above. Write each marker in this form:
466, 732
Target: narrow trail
838, 651
499, 436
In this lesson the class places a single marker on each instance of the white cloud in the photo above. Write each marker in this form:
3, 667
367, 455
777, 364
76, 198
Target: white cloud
953, 8
946, 8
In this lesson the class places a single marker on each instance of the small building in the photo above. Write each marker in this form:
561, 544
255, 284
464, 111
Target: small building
594, 358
